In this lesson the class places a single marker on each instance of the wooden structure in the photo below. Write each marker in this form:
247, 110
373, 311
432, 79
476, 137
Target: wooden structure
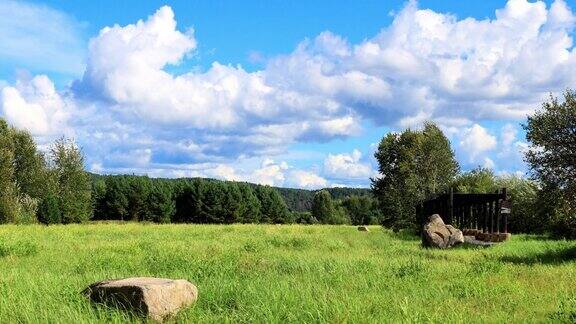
482, 213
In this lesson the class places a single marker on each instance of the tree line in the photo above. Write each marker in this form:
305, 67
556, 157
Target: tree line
209, 201
300, 200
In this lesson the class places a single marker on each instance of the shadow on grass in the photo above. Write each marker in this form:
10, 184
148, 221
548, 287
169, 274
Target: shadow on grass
531, 237
469, 246
547, 257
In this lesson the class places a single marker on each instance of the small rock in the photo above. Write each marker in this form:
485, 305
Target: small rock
475, 241
156, 298
439, 235
363, 229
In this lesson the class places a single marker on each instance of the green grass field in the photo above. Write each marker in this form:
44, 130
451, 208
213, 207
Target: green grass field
268, 273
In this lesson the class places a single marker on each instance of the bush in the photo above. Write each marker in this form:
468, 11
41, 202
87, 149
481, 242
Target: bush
49, 210
339, 216
362, 210
29, 207
304, 218
522, 193
563, 222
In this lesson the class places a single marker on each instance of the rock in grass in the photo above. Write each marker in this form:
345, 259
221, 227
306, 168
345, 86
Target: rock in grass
439, 235
471, 240
156, 298
363, 229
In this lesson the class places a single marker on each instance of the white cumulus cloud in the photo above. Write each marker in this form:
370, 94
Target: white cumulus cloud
35, 105
475, 141
342, 166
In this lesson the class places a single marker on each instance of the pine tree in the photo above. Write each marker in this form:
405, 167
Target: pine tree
189, 202
250, 212
233, 203
139, 190
161, 206
212, 209
116, 198
278, 211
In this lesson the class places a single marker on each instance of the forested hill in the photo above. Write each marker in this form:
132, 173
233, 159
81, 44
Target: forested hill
301, 199
297, 200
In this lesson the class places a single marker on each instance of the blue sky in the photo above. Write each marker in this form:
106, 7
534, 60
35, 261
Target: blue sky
288, 93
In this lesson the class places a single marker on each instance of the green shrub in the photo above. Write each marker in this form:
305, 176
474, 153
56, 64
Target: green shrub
49, 210
339, 216
29, 207
563, 222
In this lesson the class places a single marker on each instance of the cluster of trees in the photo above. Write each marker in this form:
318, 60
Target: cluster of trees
415, 164
354, 209
412, 166
300, 200
552, 160
139, 198
50, 188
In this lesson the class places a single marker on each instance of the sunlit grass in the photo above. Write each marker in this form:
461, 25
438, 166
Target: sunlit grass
271, 273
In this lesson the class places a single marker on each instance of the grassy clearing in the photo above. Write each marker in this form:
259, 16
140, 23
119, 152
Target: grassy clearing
261, 273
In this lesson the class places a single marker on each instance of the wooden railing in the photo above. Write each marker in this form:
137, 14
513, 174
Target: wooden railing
487, 213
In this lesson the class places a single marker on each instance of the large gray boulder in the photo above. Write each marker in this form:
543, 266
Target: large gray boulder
439, 235
156, 298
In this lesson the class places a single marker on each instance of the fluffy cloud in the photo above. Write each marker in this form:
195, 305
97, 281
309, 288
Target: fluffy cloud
475, 141
36, 106
307, 180
347, 166
429, 65
271, 173
511, 151
425, 65
228, 112
126, 70
503, 151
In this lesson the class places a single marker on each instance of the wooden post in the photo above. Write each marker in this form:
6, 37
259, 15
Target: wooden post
498, 208
451, 206
485, 218
491, 216
476, 216
505, 215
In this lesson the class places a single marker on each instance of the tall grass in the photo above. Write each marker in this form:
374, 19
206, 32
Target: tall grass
260, 273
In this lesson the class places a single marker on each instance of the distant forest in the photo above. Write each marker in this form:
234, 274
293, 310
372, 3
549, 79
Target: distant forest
297, 200
300, 200
203, 200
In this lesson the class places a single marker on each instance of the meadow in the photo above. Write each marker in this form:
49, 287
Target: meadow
285, 273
